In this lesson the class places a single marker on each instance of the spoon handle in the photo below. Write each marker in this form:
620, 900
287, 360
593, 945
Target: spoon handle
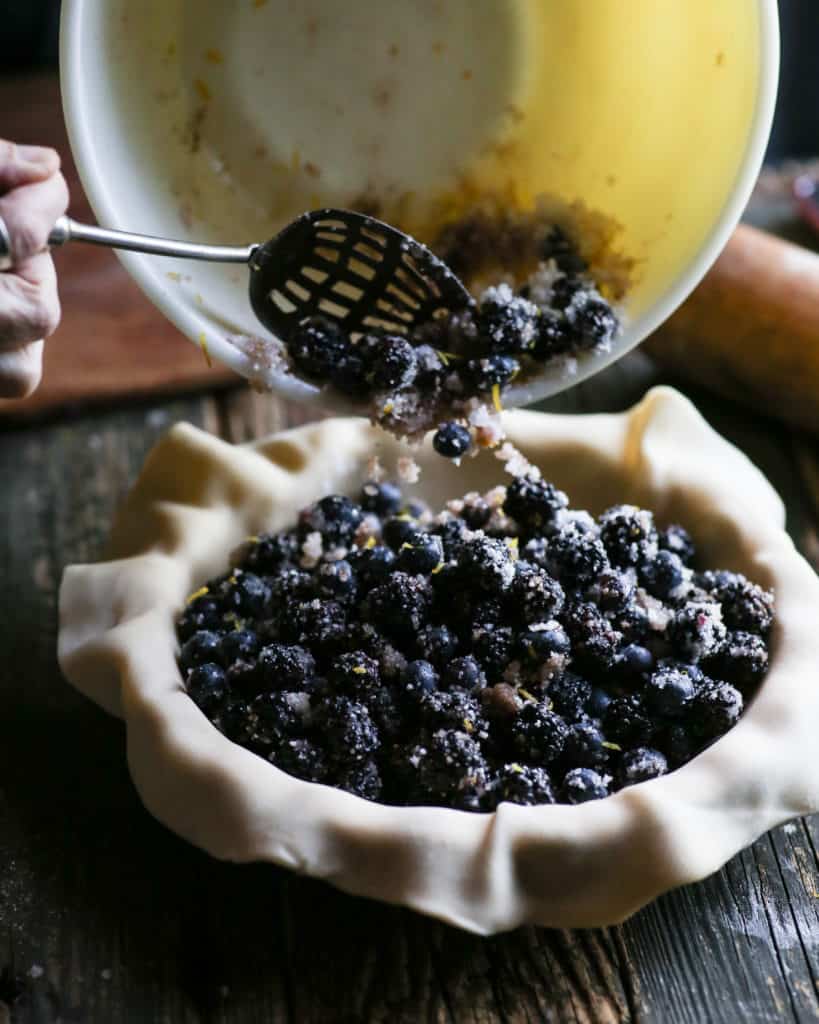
67, 230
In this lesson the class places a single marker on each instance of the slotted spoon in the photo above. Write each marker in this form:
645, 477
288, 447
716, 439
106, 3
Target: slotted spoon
347, 266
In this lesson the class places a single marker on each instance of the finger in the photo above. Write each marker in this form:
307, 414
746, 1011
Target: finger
21, 370
30, 212
29, 303
24, 165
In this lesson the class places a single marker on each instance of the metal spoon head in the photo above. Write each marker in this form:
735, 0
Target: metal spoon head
353, 269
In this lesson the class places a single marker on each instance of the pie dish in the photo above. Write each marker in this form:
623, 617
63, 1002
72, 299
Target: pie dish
593, 864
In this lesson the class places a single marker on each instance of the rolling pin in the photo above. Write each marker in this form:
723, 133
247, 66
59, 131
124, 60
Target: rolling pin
750, 331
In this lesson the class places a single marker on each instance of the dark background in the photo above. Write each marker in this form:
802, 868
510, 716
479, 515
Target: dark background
28, 38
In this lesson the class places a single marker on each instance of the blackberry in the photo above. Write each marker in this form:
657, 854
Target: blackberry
316, 346
336, 580
668, 692
319, 625
288, 586
464, 673
270, 552
239, 645
559, 248
350, 374
569, 695
392, 364
640, 765
437, 645
583, 784
678, 745
420, 553
612, 590
452, 440
524, 784
663, 575
202, 614
538, 735
372, 565
626, 721
235, 720
301, 758
381, 498
398, 530
745, 606
386, 714
492, 646
628, 535
507, 323
476, 512
486, 564
715, 709
335, 517
742, 659
285, 666
362, 780
697, 630
537, 596
633, 622
534, 551
417, 679
204, 646
347, 730
585, 746
593, 322
400, 605
245, 679
595, 643
534, 504
207, 686
575, 558
355, 674
452, 768
280, 714
537, 646
481, 375
430, 370
454, 710
678, 541
564, 290
554, 336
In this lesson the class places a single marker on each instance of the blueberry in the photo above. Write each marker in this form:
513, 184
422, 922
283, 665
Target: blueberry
555, 336
316, 346
350, 374
372, 565
399, 530
436, 644
598, 703
336, 580
246, 594
393, 364
507, 323
668, 692
534, 503
678, 541
476, 513
202, 647
465, 673
662, 576
524, 784
640, 765
270, 552
593, 321
481, 375
420, 553
583, 784
452, 440
539, 645
239, 645
585, 746
335, 517
418, 678
203, 613
634, 663
539, 735
207, 686
382, 498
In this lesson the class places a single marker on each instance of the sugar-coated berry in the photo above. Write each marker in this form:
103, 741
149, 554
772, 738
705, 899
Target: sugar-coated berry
486, 564
583, 784
418, 678
336, 518
285, 666
316, 346
742, 659
536, 596
420, 553
507, 323
481, 375
715, 709
239, 645
346, 730
492, 646
633, 663
361, 779
593, 321
534, 503
437, 644
524, 784
204, 646
301, 758
678, 541
398, 530
452, 440
538, 734
745, 605
697, 630
640, 765
392, 363
401, 604
465, 673
372, 565
585, 745
628, 535
626, 721
355, 674
569, 694
336, 580
598, 703
380, 497
663, 575
668, 692
207, 686
202, 613
574, 557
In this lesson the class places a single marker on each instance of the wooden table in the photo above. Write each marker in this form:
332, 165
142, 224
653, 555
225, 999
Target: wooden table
107, 917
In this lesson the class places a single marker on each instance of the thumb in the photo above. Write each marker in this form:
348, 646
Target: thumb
25, 165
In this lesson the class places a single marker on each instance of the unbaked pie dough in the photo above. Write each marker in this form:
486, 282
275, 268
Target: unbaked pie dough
593, 864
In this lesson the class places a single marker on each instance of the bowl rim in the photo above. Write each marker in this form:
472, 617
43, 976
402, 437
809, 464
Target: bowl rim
196, 325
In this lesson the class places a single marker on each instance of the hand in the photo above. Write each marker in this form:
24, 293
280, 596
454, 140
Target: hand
33, 194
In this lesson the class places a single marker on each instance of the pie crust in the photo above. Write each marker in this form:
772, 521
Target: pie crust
594, 864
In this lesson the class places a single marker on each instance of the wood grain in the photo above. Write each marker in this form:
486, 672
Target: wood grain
107, 917
112, 342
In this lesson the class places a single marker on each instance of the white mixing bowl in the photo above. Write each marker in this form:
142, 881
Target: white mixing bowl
223, 121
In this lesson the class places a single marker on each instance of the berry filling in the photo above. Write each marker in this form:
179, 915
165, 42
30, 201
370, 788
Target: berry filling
508, 648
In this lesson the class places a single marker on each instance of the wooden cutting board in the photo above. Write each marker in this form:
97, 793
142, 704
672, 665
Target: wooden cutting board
112, 342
